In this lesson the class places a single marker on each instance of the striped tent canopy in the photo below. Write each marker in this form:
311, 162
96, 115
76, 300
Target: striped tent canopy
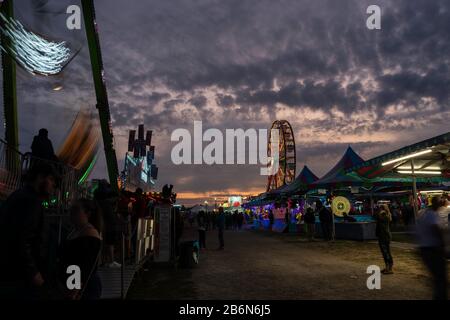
301, 183
258, 201
338, 177
438, 156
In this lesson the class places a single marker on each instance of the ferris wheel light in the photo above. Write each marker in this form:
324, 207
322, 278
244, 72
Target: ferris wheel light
286, 154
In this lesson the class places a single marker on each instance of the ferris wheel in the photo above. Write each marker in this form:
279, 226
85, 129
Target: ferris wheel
286, 151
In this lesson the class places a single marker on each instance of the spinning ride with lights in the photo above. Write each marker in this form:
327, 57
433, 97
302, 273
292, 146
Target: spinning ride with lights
39, 56
139, 169
286, 153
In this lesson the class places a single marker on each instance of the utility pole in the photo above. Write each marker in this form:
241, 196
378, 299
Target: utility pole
9, 89
100, 90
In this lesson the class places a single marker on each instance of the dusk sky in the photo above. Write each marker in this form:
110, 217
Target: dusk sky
243, 64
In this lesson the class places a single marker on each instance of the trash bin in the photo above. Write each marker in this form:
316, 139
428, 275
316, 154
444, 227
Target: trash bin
189, 254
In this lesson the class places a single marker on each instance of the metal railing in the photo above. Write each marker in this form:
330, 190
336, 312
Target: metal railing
10, 169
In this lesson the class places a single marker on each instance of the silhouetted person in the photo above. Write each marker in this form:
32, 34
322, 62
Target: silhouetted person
21, 227
221, 227
107, 200
326, 220
430, 233
201, 222
167, 192
310, 222
82, 248
383, 233
240, 220
271, 218
179, 227
42, 146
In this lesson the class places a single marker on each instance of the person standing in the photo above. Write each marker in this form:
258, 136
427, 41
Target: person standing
21, 226
107, 200
271, 219
383, 233
326, 220
82, 248
310, 221
201, 224
240, 220
430, 233
221, 227
42, 146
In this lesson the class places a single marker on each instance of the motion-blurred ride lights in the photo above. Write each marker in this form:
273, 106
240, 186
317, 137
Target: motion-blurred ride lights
425, 172
410, 156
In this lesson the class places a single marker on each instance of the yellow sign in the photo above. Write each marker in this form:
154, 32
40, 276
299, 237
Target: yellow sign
340, 205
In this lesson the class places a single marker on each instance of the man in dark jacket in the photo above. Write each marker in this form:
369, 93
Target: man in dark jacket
21, 223
326, 220
42, 146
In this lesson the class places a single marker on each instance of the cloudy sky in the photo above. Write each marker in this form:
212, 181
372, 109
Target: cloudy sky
244, 64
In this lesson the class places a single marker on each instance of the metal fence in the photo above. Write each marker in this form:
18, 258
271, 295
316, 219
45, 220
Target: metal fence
10, 169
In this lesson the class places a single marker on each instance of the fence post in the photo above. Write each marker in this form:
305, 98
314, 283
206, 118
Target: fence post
122, 267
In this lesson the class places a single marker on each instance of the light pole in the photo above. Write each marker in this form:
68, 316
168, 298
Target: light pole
9, 89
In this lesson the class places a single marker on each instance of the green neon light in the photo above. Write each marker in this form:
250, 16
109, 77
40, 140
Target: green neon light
88, 170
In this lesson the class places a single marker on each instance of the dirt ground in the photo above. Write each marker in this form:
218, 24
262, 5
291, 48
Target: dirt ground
263, 265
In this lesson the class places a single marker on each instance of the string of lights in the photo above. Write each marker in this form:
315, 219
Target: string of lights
32, 52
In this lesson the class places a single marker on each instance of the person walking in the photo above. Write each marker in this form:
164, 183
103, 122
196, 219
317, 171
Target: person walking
383, 232
430, 233
22, 274
221, 227
310, 222
201, 224
82, 248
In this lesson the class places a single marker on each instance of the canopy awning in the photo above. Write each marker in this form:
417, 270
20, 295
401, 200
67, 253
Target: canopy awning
428, 159
338, 175
305, 178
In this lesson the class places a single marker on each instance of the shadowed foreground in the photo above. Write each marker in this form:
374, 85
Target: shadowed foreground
262, 265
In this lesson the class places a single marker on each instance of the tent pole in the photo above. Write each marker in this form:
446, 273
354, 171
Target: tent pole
371, 203
415, 205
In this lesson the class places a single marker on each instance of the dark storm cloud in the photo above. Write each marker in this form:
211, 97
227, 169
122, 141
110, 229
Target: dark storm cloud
409, 86
242, 64
319, 96
224, 100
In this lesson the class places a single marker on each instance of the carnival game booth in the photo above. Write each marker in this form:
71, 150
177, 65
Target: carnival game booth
340, 185
420, 167
286, 203
259, 207
292, 201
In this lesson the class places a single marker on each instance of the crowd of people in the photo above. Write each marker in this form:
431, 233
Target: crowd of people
217, 220
234, 219
97, 225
